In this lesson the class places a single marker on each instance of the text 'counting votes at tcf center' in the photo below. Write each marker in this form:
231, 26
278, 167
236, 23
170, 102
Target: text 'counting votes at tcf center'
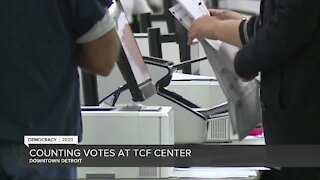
79, 156
110, 152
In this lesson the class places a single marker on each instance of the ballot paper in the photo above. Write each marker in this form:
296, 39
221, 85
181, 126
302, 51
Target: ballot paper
195, 8
243, 97
186, 11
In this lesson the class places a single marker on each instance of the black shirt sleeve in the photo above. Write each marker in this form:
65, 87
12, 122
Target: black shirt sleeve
86, 14
285, 33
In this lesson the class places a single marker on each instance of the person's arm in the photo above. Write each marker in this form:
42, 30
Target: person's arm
227, 14
283, 36
228, 32
212, 28
236, 31
98, 43
99, 56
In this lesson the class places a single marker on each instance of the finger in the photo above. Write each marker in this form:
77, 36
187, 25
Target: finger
190, 41
191, 36
194, 29
193, 26
214, 12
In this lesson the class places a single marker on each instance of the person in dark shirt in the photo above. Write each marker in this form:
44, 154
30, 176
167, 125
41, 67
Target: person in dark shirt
42, 45
283, 44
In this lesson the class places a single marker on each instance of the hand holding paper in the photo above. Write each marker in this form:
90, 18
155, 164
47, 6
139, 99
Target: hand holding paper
203, 27
225, 14
186, 11
243, 97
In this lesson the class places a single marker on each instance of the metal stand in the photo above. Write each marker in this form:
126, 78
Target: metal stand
147, 19
90, 89
156, 39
